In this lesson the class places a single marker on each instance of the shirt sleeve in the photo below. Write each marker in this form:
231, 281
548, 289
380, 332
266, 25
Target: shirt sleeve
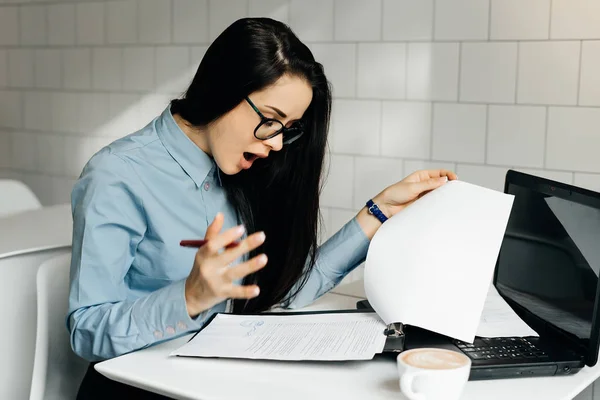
108, 224
336, 258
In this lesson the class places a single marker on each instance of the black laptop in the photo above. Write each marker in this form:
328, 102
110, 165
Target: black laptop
547, 271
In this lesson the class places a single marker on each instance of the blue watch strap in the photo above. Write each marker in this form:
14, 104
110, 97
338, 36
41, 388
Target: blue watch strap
374, 210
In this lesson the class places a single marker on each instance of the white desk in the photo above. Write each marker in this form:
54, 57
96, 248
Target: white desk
27, 240
210, 379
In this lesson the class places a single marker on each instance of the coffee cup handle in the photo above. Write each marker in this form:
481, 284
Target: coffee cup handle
406, 382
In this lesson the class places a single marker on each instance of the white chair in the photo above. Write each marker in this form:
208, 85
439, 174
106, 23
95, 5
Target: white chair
57, 371
16, 197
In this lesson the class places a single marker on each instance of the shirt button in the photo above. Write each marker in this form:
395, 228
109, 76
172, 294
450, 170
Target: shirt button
170, 330
158, 334
206, 186
181, 325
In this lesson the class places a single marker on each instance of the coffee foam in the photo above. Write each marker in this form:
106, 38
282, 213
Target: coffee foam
434, 359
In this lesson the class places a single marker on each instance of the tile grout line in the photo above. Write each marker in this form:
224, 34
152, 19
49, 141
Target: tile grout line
487, 133
381, 14
433, 9
489, 30
460, 48
517, 72
550, 20
578, 99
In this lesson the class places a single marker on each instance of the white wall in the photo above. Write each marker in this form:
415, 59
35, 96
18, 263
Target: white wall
478, 86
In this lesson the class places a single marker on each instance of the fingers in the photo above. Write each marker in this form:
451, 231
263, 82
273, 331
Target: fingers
242, 270
216, 243
243, 292
429, 184
439, 173
245, 246
215, 227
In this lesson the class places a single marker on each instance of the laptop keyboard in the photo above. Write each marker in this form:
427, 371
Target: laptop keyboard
503, 348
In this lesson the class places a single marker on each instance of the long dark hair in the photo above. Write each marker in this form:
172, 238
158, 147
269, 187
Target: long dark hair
278, 195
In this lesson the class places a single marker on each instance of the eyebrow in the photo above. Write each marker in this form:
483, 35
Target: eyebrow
278, 111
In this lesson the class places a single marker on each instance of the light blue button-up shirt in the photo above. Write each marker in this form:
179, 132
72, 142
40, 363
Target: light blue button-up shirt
133, 203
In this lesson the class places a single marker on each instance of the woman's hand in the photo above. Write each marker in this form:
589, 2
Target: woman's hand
211, 279
398, 196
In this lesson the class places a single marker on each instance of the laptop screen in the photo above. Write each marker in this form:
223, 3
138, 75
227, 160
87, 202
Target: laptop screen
549, 261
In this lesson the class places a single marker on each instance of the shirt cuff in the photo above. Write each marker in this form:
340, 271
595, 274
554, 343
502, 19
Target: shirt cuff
165, 316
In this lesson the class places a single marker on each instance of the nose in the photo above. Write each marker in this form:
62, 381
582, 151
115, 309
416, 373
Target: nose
275, 143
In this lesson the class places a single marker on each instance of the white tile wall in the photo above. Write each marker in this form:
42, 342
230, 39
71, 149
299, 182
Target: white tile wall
276, 9
357, 20
138, 68
406, 129
339, 62
589, 88
47, 68
61, 24
20, 68
411, 166
155, 21
312, 19
122, 21
33, 25
172, 66
24, 154
107, 68
222, 13
354, 132
11, 112
488, 72
338, 190
77, 68
90, 20
519, 20
51, 153
191, 17
9, 26
463, 85
588, 181
407, 20
573, 139
575, 19
382, 70
38, 112
3, 68
516, 136
548, 72
433, 71
459, 132
5, 151
372, 175
482, 175
461, 19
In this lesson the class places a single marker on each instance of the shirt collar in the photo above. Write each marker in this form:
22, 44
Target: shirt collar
194, 161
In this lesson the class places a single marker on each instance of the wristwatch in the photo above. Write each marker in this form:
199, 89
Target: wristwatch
374, 210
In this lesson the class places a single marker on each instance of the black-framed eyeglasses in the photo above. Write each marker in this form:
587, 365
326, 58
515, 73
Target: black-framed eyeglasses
269, 128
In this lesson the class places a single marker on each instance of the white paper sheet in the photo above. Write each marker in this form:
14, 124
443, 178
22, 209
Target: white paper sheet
498, 319
431, 264
316, 337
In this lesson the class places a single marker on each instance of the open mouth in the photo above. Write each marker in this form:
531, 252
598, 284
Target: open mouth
250, 156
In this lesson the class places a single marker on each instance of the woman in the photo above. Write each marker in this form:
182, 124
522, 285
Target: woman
237, 159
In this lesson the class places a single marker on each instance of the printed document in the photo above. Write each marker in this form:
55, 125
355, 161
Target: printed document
315, 337
431, 265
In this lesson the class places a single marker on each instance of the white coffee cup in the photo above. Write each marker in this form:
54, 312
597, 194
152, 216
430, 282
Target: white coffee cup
433, 374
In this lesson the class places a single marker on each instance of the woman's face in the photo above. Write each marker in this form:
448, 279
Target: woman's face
230, 140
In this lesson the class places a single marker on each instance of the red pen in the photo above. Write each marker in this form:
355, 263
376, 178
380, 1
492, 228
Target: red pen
199, 243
